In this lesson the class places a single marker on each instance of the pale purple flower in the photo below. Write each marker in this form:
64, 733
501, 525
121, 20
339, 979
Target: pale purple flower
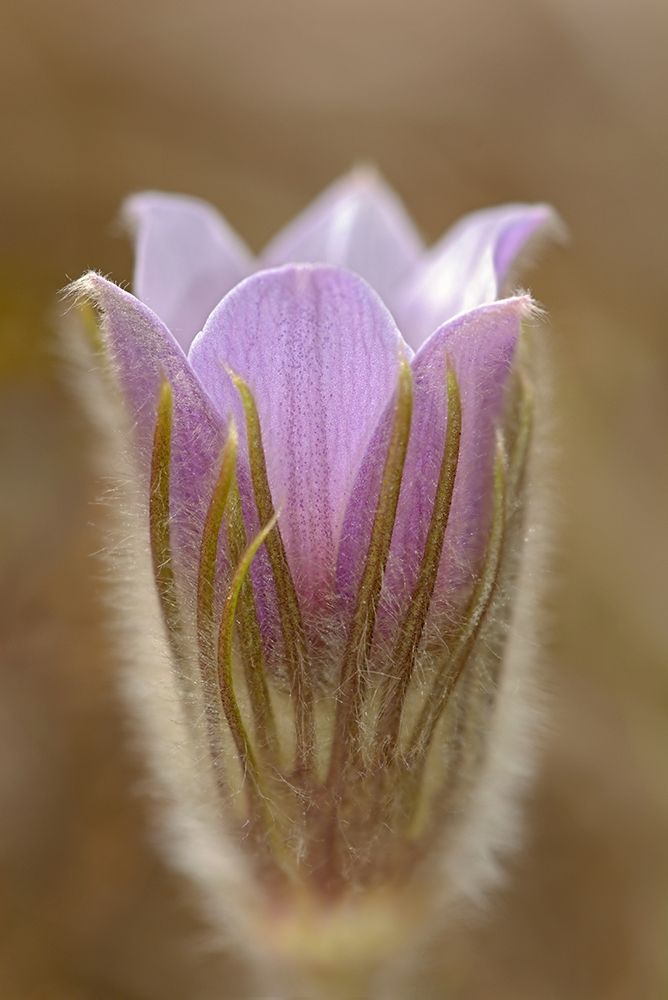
347, 408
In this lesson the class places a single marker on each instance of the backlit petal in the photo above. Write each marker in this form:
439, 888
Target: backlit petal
320, 354
186, 259
480, 347
358, 223
143, 353
476, 262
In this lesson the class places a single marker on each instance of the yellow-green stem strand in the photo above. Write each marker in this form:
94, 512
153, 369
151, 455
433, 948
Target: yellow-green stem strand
230, 705
446, 681
250, 640
159, 515
410, 632
360, 635
206, 576
292, 628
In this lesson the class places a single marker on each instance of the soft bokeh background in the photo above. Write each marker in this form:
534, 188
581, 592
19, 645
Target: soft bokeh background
256, 106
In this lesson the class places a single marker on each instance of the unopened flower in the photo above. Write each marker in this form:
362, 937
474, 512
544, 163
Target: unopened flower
330, 446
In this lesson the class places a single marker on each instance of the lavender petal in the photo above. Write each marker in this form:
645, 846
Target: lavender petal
186, 259
358, 223
320, 353
143, 353
476, 262
480, 346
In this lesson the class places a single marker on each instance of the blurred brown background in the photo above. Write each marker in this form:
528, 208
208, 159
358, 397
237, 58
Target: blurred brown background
256, 106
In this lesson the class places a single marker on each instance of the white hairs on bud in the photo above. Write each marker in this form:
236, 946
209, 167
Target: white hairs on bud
492, 825
490, 822
186, 823
190, 827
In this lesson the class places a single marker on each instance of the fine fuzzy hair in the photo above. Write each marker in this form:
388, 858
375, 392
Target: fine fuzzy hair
165, 708
490, 826
180, 779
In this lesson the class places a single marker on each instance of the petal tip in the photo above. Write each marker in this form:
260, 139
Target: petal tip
88, 287
136, 208
522, 303
542, 225
550, 224
364, 178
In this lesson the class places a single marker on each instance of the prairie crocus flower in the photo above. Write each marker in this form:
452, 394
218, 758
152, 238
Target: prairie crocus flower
329, 448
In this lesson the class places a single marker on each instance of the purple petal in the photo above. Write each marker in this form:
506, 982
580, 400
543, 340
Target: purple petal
320, 353
480, 346
143, 352
186, 259
476, 262
358, 223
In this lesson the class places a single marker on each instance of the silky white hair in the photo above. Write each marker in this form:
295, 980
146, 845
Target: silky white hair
188, 827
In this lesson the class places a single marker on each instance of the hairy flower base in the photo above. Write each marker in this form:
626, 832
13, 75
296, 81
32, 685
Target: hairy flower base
340, 762
339, 947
